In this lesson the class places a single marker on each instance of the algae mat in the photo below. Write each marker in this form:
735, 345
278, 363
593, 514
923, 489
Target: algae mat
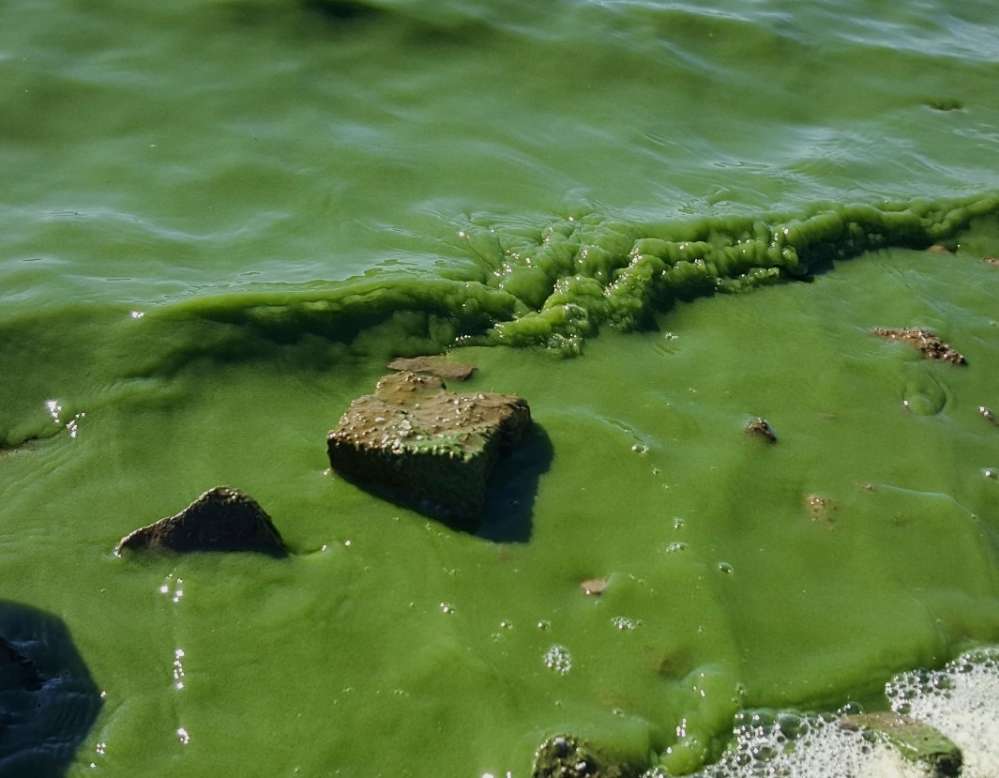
220, 218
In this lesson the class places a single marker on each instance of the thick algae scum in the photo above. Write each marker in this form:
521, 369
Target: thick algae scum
220, 218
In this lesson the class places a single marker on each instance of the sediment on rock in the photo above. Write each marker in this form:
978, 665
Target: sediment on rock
433, 365
419, 444
915, 741
221, 519
927, 341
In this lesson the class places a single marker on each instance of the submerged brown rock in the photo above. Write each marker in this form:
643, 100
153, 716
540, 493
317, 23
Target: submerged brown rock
433, 365
594, 587
221, 519
994, 261
914, 740
927, 341
427, 447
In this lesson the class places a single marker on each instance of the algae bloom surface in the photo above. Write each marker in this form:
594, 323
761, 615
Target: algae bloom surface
657, 222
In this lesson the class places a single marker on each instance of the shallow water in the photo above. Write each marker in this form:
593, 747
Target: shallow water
220, 218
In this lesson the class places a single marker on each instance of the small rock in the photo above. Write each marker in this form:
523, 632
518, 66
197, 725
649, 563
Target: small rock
987, 413
567, 757
939, 248
994, 261
17, 672
433, 365
427, 447
594, 587
820, 508
928, 343
914, 740
760, 426
221, 519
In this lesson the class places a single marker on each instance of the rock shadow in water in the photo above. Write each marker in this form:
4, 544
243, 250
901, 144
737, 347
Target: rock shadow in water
513, 488
48, 701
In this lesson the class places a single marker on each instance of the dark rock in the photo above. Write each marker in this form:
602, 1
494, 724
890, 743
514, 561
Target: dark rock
222, 519
48, 700
914, 740
926, 341
760, 426
16, 670
567, 757
434, 365
426, 447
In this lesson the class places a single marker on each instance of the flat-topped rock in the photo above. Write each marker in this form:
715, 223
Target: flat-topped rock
221, 519
914, 740
426, 447
433, 365
927, 341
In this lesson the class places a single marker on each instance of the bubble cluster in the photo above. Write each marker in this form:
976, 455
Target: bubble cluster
960, 700
559, 659
789, 745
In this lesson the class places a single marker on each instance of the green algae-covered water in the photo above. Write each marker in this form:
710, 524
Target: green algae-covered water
653, 220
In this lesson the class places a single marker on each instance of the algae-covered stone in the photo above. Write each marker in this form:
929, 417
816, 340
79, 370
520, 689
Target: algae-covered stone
927, 341
761, 428
433, 365
221, 519
568, 757
914, 740
427, 447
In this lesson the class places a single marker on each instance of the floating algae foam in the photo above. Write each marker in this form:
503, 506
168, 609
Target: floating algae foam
551, 286
958, 701
205, 257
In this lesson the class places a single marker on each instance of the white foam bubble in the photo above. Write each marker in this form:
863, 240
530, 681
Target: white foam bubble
807, 747
961, 701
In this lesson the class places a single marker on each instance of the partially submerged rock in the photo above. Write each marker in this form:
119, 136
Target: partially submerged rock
425, 446
593, 587
939, 248
994, 261
987, 413
914, 740
17, 672
433, 365
567, 757
927, 341
761, 427
221, 519
820, 508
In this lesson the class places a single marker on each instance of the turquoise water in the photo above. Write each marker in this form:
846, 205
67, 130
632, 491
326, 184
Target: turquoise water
220, 218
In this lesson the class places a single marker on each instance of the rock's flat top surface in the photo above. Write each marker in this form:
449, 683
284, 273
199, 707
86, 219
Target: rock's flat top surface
927, 341
427, 446
221, 519
433, 365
